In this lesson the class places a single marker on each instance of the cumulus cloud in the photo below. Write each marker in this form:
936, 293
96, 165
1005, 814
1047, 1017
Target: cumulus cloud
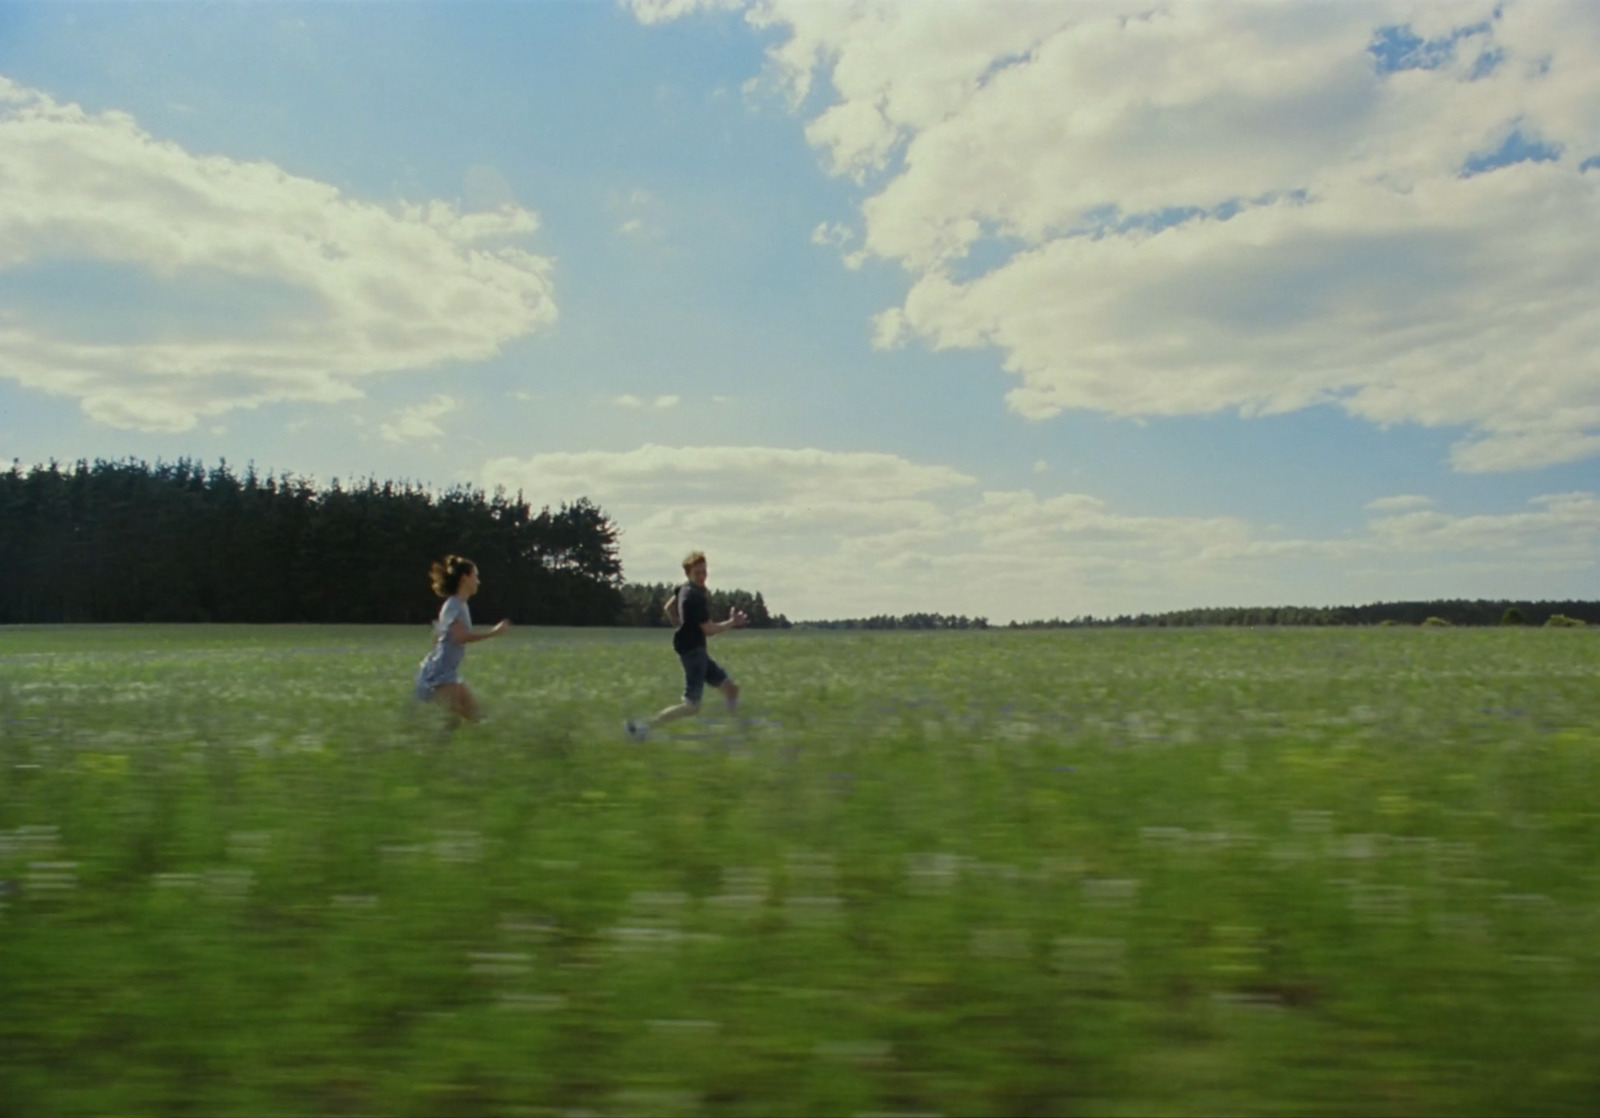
419, 421
629, 400
1179, 208
724, 474
830, 534
1562, 528
158, 286
662, 11
1399, 502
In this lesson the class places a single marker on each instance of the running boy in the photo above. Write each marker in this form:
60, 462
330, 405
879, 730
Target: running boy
454, 579
692, 606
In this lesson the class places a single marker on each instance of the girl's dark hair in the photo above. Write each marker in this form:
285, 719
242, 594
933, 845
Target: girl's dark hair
447, 574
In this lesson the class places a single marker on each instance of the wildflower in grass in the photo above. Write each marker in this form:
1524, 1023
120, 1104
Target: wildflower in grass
454, 579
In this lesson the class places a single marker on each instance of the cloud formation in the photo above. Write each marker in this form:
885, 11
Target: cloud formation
1399, 503
629, 400
1180, 208
1561, 529
419, 421
205, 284
833, 534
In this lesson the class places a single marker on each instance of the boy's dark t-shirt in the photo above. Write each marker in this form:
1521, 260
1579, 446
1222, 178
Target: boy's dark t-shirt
694, 608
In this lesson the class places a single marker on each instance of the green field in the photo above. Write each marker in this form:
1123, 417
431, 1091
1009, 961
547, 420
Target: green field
1088, 872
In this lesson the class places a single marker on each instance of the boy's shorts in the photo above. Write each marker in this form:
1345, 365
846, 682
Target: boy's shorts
700, 669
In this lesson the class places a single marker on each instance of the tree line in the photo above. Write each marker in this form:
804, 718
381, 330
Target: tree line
643, 605
127, 541
130, 542
911, 621
1452, 611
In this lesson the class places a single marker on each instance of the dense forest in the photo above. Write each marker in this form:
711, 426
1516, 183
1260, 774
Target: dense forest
126, 541
130, 542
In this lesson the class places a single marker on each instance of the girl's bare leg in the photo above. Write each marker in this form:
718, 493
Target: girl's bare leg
459, 700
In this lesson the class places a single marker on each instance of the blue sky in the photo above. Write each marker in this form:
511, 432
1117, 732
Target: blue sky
1013, 309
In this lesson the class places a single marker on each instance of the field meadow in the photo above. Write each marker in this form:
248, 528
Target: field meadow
1104, 872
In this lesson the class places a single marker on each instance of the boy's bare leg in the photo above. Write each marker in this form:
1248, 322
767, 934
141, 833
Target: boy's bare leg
730, 693
673, 713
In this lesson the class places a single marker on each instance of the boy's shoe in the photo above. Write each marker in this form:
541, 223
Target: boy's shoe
635, 730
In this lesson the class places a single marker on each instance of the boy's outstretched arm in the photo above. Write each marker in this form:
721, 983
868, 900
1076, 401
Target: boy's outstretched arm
736, 620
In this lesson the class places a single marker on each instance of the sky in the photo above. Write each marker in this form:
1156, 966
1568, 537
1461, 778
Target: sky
1005, 309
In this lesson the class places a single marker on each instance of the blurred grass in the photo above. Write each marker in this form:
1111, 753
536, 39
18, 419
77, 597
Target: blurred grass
1105, 872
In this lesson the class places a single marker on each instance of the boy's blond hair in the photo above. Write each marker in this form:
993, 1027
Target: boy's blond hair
692, 558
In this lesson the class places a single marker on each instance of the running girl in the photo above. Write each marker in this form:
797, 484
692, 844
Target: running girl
455, 579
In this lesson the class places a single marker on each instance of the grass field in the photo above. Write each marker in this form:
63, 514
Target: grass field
1092, 872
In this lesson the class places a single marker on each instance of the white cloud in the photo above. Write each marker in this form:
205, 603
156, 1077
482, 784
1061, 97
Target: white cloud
629, 400
419, 421
662, 11
1561, 529
836, 236
830, 534
658, 474
232, 284
1178, 208
1399, 503
640, 214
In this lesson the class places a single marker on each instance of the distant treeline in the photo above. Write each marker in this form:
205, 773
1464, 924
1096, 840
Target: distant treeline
904, 621
126, 541
1454, 611
643, 605
131, 542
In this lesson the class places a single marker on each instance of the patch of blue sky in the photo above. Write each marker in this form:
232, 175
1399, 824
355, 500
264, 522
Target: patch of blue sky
1590, 164
995, 249
1397, 48
989, 253
1518, 147
1104, 221
1002, 64
1487, 62
1344, 460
